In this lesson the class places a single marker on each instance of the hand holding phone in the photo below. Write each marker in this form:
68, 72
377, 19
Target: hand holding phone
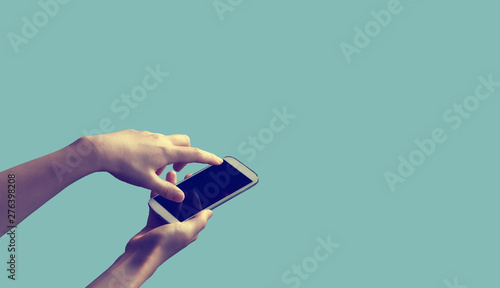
152, 246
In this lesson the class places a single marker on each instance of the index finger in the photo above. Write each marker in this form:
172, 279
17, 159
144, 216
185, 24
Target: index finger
192, 154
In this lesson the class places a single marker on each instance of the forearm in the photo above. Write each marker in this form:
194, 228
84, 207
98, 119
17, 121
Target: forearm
129, 270
37, 181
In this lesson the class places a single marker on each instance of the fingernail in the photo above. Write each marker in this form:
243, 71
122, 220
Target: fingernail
210, 214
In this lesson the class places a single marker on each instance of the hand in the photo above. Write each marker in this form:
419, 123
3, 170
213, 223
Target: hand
160, 241
152, 246
136, 157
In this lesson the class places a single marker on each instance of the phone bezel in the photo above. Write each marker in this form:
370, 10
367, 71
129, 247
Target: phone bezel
165, 214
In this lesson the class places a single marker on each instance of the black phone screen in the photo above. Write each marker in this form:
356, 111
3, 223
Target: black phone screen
204, 189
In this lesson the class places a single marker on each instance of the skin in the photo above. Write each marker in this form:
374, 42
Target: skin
152, 246
132, 156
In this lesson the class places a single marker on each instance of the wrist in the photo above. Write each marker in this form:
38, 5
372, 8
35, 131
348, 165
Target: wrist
135, 268
85, 149
147, 255
129, 270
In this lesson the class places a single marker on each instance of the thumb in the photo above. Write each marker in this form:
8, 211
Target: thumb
165, 189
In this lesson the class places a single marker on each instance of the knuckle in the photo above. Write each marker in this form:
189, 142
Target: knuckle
197, 152
155, 136
160, 187
187, 139
165, 150
168, 190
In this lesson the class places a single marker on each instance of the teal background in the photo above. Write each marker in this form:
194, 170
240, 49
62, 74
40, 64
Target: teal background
322, 175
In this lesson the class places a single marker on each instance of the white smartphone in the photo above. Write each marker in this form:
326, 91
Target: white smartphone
206, 189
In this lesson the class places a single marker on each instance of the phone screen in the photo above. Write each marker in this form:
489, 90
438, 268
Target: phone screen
204, 189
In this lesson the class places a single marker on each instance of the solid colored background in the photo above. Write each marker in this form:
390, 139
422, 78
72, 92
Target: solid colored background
322, 175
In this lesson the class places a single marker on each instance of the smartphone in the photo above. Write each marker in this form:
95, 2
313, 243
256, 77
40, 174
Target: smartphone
206, 189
